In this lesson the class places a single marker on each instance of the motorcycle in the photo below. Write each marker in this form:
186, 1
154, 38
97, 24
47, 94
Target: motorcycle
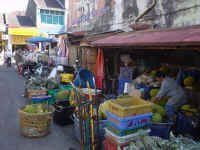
42, 70
28, 69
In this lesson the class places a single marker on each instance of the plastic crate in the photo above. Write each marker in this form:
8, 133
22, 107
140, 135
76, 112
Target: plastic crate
31, 93
53, 93
133, 122
127, 138
119, 132
41, 99
160, 129
127, 107
109, 144
102, 125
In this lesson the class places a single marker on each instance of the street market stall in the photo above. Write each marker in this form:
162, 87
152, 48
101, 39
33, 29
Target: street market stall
135, 60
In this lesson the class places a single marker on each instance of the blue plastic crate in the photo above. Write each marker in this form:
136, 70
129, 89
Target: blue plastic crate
160, 129
184, 124
129, 122
124, 132
41, 99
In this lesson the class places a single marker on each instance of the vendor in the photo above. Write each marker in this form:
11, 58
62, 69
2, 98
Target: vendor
170, 88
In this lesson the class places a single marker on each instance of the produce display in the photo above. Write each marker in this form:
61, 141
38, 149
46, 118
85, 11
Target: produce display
158, 113
161, 102
156, 143
33, 109
38, 83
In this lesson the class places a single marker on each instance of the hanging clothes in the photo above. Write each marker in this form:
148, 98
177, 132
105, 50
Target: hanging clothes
99, 69
63, 52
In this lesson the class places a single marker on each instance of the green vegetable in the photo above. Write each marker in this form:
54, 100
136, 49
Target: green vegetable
30, 109
154, 92
33, 109
159, 109
156, 118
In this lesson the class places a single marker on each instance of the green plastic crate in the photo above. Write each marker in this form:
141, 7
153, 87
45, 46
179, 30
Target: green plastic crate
54, 92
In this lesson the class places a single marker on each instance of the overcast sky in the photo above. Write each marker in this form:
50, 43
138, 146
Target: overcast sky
7, 6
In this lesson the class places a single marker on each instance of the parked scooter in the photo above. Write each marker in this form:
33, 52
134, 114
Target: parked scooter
28, 69
42, 70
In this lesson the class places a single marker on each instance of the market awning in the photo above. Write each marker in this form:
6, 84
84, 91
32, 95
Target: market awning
188, 36
39, 39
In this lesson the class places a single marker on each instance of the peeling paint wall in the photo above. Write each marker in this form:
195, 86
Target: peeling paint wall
106, 15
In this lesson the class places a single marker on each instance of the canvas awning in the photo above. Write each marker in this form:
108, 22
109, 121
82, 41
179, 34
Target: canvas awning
39, 39
188, 36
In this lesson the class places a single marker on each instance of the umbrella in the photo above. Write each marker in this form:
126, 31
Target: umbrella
39, 39
99, 69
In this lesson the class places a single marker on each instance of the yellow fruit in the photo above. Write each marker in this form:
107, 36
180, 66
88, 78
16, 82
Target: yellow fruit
189, 108
188, 81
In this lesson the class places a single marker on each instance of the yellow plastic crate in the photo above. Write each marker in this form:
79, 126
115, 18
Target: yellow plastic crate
127, 107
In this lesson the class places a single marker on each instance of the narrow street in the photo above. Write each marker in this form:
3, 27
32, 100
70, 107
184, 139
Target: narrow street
11, 90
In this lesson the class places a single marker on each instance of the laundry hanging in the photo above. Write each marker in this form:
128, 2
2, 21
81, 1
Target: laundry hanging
99, 69
63, 52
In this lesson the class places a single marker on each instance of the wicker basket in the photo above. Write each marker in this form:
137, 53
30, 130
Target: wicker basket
35, 125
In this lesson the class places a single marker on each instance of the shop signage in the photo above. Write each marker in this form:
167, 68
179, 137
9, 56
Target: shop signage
20, 40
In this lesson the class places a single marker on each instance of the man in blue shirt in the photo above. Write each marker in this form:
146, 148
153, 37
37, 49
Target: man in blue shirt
170, 88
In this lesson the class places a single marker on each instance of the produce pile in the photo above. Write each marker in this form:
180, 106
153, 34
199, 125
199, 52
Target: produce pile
156, 143
38, 83
34, 109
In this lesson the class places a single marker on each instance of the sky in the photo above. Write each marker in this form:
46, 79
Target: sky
7, 6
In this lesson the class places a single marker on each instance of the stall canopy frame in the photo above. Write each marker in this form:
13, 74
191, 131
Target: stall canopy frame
187, 36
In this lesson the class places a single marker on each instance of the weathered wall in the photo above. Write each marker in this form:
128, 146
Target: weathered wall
31, 11
106, 15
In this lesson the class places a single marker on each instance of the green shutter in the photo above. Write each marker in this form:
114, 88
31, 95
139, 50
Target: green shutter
55, 19
49, 19
61, 20
43, 18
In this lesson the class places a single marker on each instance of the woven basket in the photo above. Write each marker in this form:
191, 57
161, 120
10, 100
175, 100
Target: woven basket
35, 125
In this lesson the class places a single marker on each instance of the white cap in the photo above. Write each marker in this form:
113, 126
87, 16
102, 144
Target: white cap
60, 68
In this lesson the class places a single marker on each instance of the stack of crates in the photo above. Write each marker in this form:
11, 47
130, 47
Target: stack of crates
124, 118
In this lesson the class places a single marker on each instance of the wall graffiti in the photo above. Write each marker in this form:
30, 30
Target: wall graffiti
96, 13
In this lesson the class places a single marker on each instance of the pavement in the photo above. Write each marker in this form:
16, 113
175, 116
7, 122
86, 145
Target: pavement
11, 90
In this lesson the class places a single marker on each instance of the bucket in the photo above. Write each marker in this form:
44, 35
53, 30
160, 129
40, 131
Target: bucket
94, 95
62, 114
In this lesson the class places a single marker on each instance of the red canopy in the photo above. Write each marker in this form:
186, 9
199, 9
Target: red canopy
180, 36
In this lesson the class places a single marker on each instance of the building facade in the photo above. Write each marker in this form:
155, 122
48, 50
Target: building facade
47, 15
97, 16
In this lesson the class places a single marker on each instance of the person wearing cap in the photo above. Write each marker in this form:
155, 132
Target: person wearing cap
170, 88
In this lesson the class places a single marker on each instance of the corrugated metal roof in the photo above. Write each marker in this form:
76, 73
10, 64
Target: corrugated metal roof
48, 4
14, 19
178, 36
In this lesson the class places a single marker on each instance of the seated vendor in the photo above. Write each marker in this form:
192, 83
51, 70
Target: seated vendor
170, 88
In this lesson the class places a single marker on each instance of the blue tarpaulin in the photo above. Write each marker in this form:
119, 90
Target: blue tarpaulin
39, 39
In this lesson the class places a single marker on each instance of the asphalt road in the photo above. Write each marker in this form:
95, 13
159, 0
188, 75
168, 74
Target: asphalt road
11, 90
